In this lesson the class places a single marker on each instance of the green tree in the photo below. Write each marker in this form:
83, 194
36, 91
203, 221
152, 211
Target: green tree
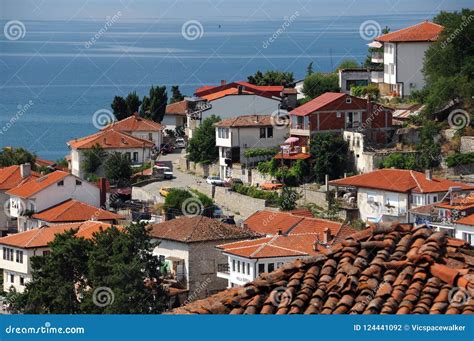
400, 161
174, 202
449, 62
319, 83
93, 158
287, 199
176, 95
202, 146
430, 151
371, 90
58, 277
118, 168
157, 101
309, 69
271, 78
330, 156
119, 108
16, 156
348, 64
133, 103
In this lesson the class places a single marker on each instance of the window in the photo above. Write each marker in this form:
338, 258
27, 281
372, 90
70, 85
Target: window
8, 254
271, 267
261, 268
233, 264
12, 278
61, 183
238, 266
348, 100
78, 182
19, 256
338, 114
269, 132
135, 156
468, 237
129, 155
223, 133
22, 280
248, 268
150, 136
262, 133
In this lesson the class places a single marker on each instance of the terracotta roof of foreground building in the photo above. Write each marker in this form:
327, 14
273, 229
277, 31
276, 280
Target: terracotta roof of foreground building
110, 139
425, 31
134, 123
385, 269
40, 237
399, 180
198, 229
246, 121
178, 108
10, 177
28, 188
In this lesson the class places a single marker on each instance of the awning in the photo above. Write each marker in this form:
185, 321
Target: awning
375, 44
292, 139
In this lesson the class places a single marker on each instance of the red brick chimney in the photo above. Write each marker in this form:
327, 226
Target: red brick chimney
326, 236
103, 192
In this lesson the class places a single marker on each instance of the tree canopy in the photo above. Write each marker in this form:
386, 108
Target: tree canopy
118, 167
348, 64
318, 83
176, 95
16, 156
93, 158
202, 146
330, 154
125, 107
271, 78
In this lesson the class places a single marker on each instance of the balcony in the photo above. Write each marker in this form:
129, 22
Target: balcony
223, 270
377, 57
376, 76
300, 129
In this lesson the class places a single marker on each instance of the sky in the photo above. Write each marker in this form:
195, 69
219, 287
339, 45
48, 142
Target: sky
215, 9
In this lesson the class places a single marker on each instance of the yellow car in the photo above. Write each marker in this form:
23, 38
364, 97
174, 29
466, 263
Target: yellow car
164, 191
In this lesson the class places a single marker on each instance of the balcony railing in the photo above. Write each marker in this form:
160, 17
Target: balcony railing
376, 76
301, 126
377, 57
223, 268
288, 150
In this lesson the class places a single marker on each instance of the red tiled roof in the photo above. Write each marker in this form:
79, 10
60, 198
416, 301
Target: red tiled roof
178, 108
246, 121
198, 229
33, 186
223, 93
265, 91
469, 220
72, 210
317, 103
399, 180
295, 156
425, 31
459, 203
134, 123
110, 139
10, 177
40, 237
270, 222
386, 269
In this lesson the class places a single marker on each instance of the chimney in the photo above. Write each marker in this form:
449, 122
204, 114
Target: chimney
25, 170
316, 243
223, 82
240, 89
326, 236
428, 174
103, 192
279, 232
135, 114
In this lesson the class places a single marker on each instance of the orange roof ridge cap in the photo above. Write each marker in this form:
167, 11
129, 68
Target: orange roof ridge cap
260, 248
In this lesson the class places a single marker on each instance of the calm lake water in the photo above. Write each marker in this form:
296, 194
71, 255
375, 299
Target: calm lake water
64, 80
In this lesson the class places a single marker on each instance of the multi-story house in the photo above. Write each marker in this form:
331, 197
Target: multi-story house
387, 195
176, 115
402, 57
39, 194
236, 135
335, 112
10, 177
17, 250
187, 246
288, 237
139, 127
137, 149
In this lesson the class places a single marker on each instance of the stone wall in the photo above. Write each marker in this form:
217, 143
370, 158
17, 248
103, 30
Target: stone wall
198, 169
312, 196
467, 144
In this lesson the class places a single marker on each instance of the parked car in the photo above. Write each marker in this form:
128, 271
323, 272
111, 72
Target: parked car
215, 180
271, 186
164, 191
166, 148
228, 220
166, 171
180, 143
232, 181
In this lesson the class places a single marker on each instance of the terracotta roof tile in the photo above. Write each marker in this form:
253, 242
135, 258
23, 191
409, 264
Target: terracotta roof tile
10, 177
270, 222
33, 186
134, 123
469, 220
110, 139
198, 229
246, 121
317, 103
40, 237
386, 269
72, 210
425, 31
218, 91
178, 108
399, 180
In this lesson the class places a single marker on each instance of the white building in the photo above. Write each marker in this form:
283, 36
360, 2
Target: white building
386, 195
403, 56
17, 250
236, 135
39, 194
175, 115
139, 150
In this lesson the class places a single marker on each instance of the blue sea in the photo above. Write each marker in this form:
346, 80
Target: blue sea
55, 77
